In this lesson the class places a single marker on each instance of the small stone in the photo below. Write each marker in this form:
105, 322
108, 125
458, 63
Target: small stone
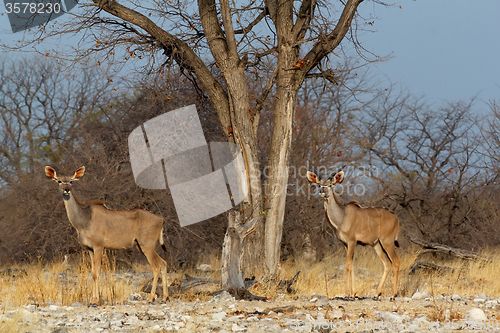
204, 267
156, 315
391, 317
456, 297
336, 314
236, 328
219, 316
76, 305
322, 302
235, 319
135, 297
479, 300
492, 304
222, 297
475, 314
421, 295
481, 295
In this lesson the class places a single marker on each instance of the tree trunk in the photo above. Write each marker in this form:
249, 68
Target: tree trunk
281, 141
232, 252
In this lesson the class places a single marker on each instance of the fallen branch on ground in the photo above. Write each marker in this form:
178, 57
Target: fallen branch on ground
436, 247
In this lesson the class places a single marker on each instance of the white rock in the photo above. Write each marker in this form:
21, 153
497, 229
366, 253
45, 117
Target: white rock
492, 304
421, 295
337, 314
204, 267
219, 316
322, 302
391, 317
475, 314
133, 297
456, 297
235, 319
186, 318
156, 315
479, 300
236, 328
53, 308
222, 297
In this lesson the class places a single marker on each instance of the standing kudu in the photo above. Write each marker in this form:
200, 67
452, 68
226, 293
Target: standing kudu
99, 227
367, 226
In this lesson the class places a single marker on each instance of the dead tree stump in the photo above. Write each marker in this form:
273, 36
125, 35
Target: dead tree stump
232, 250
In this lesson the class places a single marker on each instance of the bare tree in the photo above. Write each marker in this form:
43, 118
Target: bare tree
431, 160
40, 106
280, 41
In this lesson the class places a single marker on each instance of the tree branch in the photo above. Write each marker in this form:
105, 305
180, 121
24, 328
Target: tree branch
179, 50
254, 23
324, 46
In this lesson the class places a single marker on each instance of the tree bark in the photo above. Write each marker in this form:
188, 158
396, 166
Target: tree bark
232, 252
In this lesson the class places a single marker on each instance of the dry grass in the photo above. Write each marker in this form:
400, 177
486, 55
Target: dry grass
328, 276
56, 283
60, 283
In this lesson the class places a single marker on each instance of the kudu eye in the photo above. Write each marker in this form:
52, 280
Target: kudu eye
59, 181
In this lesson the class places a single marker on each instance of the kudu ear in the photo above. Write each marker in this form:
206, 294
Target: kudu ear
78, 173
50, 172
312, 177
337, 178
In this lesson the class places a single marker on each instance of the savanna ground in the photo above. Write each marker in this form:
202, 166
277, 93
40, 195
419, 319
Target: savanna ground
64, 283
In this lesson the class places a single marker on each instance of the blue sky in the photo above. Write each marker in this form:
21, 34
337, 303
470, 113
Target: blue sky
444, 50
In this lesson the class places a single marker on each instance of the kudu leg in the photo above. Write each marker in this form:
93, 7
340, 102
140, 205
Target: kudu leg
387, 266
95, 262
390, 249
156, 266
163, 264
349, 270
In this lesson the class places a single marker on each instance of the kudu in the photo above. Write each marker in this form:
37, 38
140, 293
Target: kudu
100, 228
356, 225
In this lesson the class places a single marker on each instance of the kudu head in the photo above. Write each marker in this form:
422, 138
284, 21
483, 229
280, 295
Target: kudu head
325, 185
65, 182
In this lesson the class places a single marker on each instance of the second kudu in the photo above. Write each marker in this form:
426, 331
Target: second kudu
356, 225
101, 228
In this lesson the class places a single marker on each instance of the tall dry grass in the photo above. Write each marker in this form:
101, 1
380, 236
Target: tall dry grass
62, 284
328, 276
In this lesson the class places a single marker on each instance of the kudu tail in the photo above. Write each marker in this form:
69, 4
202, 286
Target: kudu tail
396, 243
162, 242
